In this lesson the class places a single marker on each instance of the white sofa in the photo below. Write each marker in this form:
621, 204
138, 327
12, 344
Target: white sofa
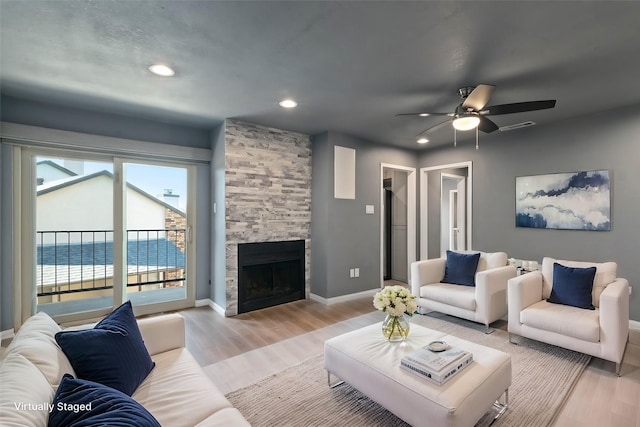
602, 332
484, 303
176, 392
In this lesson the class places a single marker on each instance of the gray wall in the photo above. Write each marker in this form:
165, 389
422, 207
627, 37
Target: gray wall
217, 292
342, 235
119, 126
71, 119
204, 226
321, 192
607, 140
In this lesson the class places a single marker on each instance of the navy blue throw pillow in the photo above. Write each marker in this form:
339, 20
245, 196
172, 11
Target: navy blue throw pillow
81, 403
460, 269
572, 286
112, 353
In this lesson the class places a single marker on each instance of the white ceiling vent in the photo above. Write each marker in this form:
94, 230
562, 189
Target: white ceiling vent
517, 126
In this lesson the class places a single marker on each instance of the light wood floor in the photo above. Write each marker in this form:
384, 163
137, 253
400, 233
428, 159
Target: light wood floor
241, 350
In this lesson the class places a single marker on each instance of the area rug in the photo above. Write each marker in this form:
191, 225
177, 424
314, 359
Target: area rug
543, 375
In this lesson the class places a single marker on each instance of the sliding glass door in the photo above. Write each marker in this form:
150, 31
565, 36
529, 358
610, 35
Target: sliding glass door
157, 232
106, 230
74, 234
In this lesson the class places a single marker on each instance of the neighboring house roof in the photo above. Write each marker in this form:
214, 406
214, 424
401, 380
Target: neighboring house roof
154, 252
72, 263
56, 166
51, 186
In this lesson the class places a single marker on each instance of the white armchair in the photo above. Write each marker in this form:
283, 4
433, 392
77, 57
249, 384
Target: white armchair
601, 332
484, 303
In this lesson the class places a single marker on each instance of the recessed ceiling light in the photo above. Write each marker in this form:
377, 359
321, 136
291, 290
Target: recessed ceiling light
423, 141
288, 103
161, 70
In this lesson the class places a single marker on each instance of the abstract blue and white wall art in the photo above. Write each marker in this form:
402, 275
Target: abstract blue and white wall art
568, 201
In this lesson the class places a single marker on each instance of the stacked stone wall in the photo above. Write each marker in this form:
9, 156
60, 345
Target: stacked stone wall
178, 222
268, 193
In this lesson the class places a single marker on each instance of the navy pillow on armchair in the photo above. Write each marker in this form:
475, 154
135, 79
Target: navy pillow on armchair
460, 269
572, 286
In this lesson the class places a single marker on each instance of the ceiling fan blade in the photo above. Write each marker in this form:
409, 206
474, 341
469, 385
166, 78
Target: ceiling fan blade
486, 125
478, 97
518, 107
425, 114
434, 128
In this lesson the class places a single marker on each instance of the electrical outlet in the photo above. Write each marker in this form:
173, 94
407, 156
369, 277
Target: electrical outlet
357, 272
352, 273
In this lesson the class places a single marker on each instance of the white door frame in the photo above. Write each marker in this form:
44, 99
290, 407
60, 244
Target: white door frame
411, 217
453, 237
461, 214
460, 189
424, 203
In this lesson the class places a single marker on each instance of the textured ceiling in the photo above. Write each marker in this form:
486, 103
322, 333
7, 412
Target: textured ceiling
350, 65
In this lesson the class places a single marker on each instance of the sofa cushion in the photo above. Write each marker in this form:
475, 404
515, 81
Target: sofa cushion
572, 286
605, 274
563, 319
454, 295
81, 403
35, 341
460, 269
224, 418
25, 393
177, 382
112, 353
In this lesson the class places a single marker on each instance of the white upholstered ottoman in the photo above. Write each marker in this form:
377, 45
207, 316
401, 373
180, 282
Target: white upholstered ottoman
365, 360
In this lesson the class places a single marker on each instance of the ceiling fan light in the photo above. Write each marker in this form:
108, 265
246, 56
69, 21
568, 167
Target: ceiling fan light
162, 70
466, 123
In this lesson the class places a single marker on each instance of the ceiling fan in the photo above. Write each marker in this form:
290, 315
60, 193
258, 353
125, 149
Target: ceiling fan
472, 112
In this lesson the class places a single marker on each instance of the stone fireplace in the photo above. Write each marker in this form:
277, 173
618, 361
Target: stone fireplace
267, 197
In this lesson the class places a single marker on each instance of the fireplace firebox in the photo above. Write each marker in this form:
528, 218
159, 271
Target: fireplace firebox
270, 273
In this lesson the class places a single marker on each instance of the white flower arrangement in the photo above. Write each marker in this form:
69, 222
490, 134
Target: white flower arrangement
395, 301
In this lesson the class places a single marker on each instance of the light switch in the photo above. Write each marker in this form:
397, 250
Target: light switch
369, 209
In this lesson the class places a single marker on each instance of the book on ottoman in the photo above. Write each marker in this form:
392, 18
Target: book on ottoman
437, 367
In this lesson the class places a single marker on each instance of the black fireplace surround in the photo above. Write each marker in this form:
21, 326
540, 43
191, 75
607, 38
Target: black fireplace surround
270, 273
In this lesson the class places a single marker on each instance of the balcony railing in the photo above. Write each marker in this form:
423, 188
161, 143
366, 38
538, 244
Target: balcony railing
69, 262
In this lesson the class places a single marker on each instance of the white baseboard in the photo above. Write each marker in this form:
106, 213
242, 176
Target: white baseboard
343, 298
9, 333
208, 302
203, 302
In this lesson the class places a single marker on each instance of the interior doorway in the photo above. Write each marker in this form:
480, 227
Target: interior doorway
453, 212
398, 222
445, 209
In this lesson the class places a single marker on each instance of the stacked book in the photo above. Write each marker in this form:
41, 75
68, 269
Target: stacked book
437, 367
